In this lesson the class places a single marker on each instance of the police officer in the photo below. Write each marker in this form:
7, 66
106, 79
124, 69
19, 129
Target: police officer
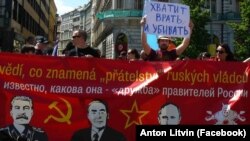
20, 130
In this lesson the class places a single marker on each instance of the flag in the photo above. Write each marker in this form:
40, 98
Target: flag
134, 96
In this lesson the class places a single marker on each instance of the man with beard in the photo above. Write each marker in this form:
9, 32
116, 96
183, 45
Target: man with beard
164, 43
99, 131
20, 130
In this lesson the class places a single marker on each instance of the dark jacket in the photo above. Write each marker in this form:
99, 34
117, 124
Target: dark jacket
84, 51
30, 133
109, 134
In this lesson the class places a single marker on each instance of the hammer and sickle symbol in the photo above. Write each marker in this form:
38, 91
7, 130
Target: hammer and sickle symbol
63, 118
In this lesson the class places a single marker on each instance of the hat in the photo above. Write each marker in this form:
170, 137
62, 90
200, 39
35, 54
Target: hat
163, 37
41, 39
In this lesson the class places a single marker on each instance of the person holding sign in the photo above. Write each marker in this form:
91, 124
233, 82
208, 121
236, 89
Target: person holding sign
166, 20
163, 41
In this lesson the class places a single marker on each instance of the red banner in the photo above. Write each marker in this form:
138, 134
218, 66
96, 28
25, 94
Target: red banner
61, 89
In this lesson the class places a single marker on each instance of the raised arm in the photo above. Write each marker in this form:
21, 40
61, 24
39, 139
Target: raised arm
144, 43
185, 43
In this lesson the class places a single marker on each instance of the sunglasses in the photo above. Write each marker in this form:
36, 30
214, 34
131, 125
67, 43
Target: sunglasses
77, 36
220, 52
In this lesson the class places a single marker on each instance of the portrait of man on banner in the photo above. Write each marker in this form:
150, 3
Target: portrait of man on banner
98, 115
169, 114
22, 111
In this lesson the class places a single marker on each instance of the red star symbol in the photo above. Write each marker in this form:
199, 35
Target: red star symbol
133, 115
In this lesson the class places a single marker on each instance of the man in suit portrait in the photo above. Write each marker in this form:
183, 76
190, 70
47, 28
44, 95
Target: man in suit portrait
98, 115
21, 130
169, 114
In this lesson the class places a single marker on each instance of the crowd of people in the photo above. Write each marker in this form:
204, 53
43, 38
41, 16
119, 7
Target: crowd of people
98, 112
167, 50
36, 45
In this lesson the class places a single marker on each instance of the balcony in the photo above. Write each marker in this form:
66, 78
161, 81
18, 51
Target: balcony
119, 14
225, 16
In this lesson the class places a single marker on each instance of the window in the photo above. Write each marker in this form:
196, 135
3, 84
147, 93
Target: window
120, 4
76, 19
2, 2
129, 4
2, 9
15, 9
213, 6
139, 4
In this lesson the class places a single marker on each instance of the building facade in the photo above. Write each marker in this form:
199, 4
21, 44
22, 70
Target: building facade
22, 18
222, 12
113, 26
53, 17
116, 26
79, 18
117, 22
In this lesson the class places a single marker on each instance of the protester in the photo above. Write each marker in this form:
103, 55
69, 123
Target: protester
123, 55
69, 46
120, 48
133, 54
81, 48
224, 53
204, 56
41, 45
143, 55
100, 53
48, 51
163, 41
29, 46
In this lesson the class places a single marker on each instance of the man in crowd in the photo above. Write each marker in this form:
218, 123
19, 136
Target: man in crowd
29, 46
41, 45
81, 48
164, 42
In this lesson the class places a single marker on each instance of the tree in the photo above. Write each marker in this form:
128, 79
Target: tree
200, 36
242, 31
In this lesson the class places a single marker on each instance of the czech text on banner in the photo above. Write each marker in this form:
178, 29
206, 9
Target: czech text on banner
67, 98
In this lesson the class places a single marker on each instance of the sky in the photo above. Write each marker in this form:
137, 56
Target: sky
64, 6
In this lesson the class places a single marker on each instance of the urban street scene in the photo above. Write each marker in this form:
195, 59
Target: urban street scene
117, 70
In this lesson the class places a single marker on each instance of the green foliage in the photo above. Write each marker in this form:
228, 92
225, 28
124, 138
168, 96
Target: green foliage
200, 36
242, 31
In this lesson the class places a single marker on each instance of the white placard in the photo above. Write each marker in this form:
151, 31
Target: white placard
170, 19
